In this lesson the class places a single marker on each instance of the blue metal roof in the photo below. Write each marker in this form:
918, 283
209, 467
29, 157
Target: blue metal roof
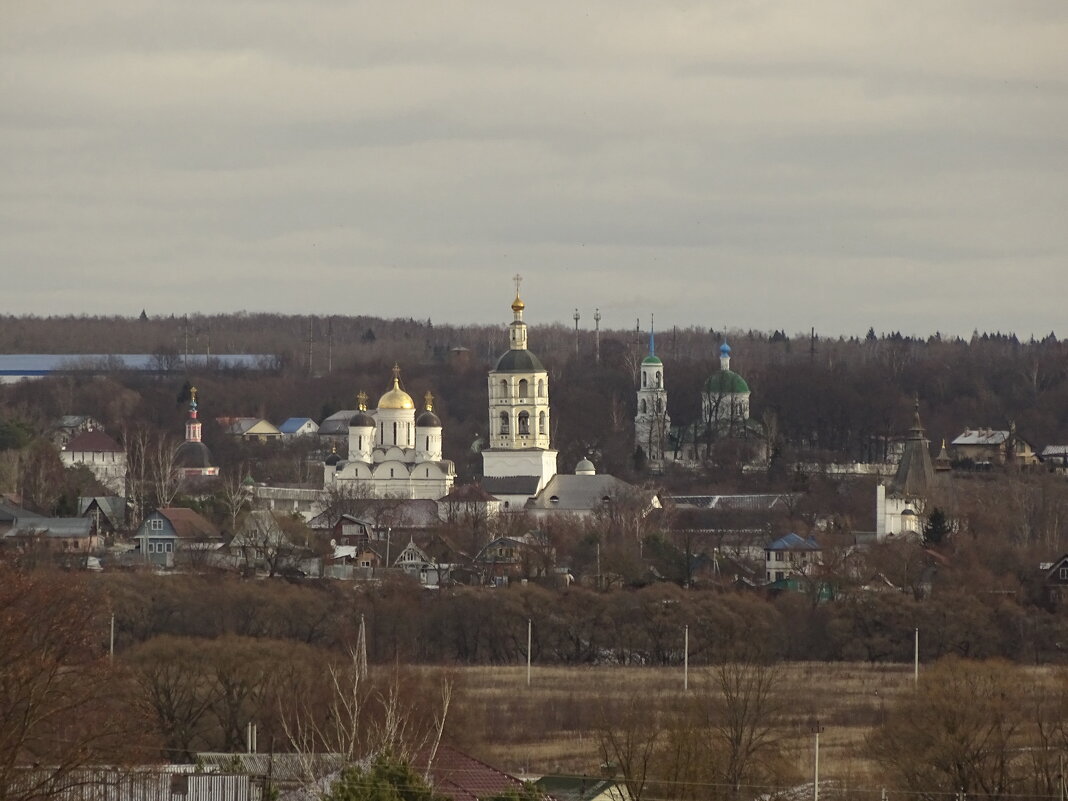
291, 425
792, 542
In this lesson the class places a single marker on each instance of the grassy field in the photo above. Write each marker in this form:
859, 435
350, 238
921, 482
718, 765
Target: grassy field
550, 725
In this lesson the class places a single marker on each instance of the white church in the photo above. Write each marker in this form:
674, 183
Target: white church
392, 451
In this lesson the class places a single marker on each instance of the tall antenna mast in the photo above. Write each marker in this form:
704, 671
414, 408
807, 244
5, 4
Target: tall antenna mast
329, 344
597, 334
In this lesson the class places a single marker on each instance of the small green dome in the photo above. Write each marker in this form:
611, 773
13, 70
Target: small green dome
725, 382
651, 360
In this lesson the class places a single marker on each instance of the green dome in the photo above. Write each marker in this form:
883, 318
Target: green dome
519, 361
725, 382
651, 360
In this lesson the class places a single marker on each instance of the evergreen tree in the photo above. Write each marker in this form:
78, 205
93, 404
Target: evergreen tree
936, 530
386, 779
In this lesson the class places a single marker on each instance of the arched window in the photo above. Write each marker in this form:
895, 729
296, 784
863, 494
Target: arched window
541, 423
504, 389
645, 379
504, 422
428, 443
524, 388
659, 379
408, 441
643, 407
524, 423
541, 388
394, 433
659, 405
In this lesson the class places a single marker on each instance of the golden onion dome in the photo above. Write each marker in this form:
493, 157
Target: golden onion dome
517, 304
396, 398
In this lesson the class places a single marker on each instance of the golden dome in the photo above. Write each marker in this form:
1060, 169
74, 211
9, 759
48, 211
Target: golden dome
396, 398
517, 304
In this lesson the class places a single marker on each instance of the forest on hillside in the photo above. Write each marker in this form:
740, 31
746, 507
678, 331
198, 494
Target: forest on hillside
817, 399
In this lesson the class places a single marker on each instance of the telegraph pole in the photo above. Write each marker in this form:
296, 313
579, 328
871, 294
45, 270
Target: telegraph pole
576, 316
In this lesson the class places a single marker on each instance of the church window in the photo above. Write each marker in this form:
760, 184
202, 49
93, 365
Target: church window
645, 379
359, 442
541, 423
659, 379
394, 433
659, 405
644, 408
428, 443
408, 439
541, 388
504, 422
382, 432
391, 472
524, 423
523, 388
504, 388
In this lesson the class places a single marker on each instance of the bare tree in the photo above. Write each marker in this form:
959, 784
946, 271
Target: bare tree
55, 685
137, 441
235, 495
166, 475
629, 735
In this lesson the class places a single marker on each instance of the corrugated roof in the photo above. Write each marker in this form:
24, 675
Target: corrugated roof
468, 493
579, 493
59, 527
188, 524
510, 485
983, 436
735, 503
793, 542
293, 424
460, 777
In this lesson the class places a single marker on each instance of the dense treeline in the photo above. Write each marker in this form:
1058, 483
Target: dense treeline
837, 399
581, 627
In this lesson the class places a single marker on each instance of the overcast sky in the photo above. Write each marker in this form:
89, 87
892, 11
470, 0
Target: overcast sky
744, 164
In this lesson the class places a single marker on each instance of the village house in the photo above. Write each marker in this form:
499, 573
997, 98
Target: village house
986, 447
167, 530
788, 556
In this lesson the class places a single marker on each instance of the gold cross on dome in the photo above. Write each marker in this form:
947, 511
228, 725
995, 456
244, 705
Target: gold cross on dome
518, 280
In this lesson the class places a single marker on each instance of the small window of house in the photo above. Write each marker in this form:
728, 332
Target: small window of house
155, 524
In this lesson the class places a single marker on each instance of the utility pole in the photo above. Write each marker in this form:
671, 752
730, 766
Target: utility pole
817, 728
530, 631
597, 335
686, 658
311, 344
916, 658
576, 316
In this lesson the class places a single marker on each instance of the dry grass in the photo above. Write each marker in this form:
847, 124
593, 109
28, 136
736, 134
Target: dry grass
550, 725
